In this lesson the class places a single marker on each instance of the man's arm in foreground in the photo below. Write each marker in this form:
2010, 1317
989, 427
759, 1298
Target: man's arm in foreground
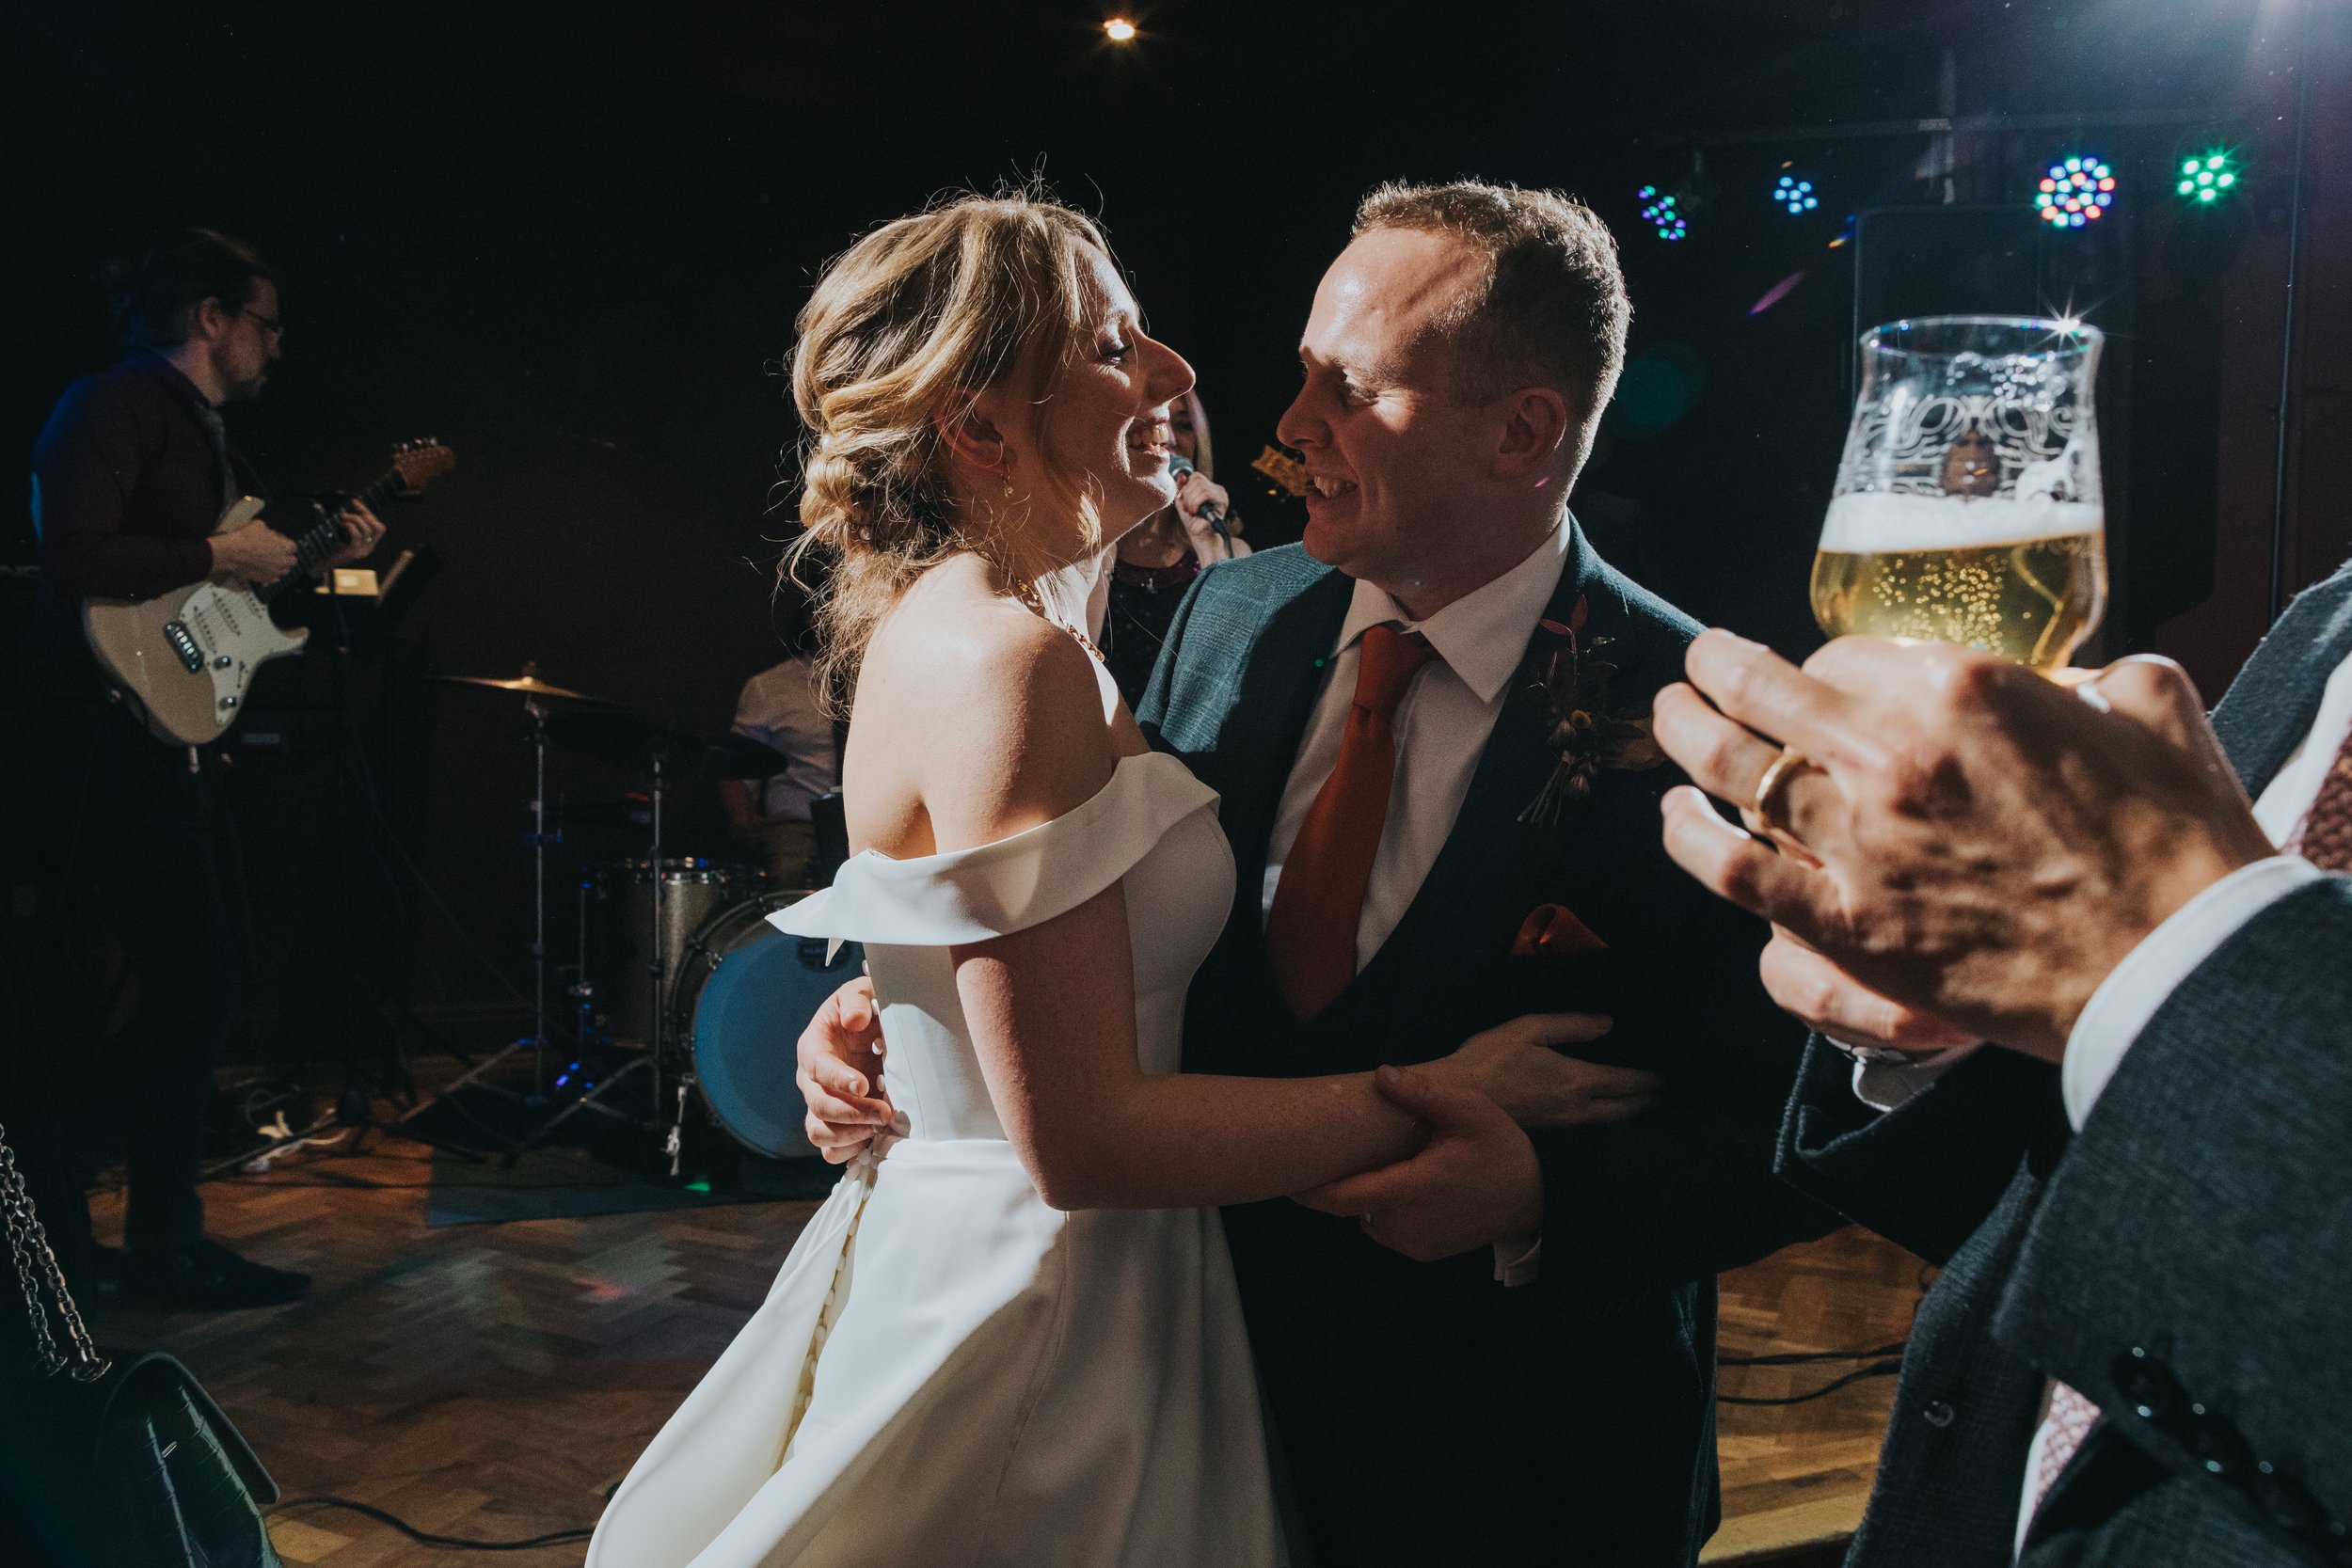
2187, 1269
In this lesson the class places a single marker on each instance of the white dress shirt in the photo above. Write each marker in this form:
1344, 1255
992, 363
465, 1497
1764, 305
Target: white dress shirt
2133, 991
1441, 727
2135, 988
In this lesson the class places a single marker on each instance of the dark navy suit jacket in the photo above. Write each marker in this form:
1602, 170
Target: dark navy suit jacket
1430, 1414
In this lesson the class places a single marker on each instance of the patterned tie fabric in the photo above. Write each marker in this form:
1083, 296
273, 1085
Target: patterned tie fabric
2325, 838
1317, 905
2071, 1419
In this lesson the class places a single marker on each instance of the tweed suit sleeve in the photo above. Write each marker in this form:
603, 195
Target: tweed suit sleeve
1927, 1173
2190, 1265
1151, 713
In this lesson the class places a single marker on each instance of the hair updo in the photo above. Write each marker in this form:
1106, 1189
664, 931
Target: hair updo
904, 329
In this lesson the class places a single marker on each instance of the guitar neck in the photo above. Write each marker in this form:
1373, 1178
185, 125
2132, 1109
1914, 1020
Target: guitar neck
326, 538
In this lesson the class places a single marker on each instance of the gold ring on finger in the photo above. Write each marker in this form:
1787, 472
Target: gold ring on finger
1776, 774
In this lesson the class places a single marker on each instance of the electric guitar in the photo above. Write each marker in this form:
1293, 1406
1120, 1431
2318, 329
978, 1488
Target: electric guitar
187, 656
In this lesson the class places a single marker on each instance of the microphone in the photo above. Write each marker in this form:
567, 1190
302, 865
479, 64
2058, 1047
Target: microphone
1211, 513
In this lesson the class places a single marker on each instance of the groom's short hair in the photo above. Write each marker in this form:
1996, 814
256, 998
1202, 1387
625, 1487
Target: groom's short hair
1551, 309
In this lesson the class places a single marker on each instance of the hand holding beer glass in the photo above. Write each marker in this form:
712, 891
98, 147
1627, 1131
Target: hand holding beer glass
1968, 507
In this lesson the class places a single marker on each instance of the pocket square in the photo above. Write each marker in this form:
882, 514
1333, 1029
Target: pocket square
1552, 930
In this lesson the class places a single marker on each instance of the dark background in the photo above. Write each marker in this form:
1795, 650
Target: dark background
570, 241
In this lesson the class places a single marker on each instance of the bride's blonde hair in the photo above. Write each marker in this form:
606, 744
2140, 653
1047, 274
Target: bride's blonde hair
904, 330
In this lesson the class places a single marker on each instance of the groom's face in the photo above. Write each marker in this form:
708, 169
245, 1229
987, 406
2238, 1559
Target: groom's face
1398, 460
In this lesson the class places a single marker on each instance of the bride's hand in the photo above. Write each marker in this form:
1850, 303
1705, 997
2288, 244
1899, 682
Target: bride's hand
1516, 1066
840, 1074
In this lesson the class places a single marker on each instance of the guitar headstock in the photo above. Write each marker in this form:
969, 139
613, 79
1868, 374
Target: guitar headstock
420, 463
1283, 469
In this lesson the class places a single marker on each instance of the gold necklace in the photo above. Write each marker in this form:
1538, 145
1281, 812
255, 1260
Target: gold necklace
1026, 592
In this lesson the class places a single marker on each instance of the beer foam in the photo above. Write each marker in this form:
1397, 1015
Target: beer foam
1878, 523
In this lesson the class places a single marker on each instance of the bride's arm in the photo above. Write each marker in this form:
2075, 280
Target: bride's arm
1052, 1007
1052, 1012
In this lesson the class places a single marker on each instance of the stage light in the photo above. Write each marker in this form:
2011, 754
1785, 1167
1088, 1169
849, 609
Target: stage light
1662, 210
2076, 191
1120, 30
2207, 177
1794, 195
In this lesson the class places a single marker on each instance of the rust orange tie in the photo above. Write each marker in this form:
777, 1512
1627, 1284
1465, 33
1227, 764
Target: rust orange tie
1310, 931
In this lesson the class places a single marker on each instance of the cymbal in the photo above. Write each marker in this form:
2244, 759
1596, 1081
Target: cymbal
528, 684
632, 740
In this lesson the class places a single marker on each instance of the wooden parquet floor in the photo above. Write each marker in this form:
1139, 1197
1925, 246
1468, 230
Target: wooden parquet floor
495, 1381
1796, 1476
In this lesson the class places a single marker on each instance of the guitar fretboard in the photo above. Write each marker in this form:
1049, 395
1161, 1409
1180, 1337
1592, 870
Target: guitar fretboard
326, 538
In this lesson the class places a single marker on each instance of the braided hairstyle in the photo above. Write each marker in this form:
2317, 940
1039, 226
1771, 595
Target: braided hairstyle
904, 330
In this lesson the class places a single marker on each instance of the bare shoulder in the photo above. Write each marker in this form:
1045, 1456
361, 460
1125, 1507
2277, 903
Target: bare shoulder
988, 717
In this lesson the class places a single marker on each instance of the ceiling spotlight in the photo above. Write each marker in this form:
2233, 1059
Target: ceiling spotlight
1662, 210
2075, 192
2207, 178
1794, 195
1120, 30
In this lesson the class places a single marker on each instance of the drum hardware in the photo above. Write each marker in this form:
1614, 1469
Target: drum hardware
536, 694
684, 918
744, 992
635, 741
630, 740
655, 969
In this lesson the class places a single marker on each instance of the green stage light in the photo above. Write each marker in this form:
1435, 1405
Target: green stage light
2208, 178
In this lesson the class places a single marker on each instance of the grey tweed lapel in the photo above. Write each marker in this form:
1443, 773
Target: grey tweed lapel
2270, 706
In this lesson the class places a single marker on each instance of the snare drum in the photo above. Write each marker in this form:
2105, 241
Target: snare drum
742, 994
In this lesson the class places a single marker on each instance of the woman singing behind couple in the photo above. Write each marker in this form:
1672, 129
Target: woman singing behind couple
1010, 1338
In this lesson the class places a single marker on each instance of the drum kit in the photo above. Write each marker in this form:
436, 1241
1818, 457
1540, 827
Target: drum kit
681, 992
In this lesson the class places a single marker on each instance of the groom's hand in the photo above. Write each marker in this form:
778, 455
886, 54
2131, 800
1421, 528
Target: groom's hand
840, 1074
1474, 1182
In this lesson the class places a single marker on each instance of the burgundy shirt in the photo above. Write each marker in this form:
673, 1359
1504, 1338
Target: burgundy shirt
129, 478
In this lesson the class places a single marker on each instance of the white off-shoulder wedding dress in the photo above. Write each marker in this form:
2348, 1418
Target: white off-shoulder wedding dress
948, 1370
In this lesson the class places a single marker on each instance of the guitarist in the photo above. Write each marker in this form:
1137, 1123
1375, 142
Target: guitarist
140, 872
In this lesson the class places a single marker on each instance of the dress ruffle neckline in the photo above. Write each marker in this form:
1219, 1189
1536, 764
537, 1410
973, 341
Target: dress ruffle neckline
1011, 883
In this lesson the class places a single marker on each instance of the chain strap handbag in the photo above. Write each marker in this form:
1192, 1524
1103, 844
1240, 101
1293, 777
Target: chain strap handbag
145, 1471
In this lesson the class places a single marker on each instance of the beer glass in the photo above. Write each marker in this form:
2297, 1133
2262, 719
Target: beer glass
1968, 507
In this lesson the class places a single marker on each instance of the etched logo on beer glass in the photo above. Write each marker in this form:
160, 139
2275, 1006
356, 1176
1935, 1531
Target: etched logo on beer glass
1968, 507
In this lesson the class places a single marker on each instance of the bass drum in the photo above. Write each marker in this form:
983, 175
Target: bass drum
745, 990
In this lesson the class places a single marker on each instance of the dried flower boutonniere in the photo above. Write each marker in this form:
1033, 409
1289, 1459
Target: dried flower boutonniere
1585, 734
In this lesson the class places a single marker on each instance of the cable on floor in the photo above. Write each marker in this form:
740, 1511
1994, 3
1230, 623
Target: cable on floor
424, 1538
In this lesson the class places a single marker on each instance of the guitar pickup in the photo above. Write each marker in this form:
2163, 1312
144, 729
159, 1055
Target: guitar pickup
184, 643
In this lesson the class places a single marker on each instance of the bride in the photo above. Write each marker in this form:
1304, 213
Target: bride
1011, 1336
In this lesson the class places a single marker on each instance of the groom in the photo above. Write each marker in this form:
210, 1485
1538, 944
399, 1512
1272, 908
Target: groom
1428, 728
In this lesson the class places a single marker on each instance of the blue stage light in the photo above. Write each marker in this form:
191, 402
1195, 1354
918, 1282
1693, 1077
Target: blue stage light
1794, 195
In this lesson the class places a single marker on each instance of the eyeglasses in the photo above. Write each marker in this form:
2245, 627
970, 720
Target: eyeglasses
270, 325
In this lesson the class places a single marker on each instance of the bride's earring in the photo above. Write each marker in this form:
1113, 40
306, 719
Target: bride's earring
1008, 485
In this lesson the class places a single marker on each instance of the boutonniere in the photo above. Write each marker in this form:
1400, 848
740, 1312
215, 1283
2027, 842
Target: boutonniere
1587, 734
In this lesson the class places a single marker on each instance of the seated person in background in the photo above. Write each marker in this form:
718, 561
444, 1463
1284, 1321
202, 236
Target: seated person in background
781, 707
1151, 567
